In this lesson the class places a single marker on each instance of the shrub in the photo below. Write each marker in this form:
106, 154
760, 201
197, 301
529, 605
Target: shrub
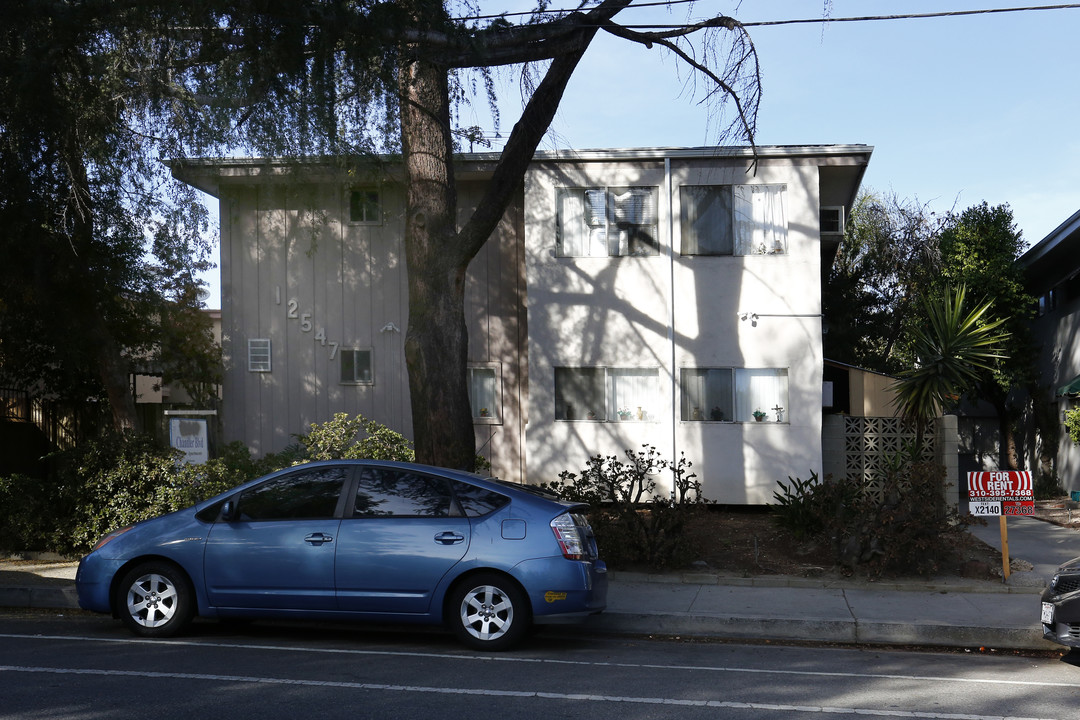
118, 480
633, 524
798, 508
30, 511
1072, 424
338, 439
897, 527
111, 482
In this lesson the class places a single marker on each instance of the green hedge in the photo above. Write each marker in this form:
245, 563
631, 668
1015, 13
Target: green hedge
116, 481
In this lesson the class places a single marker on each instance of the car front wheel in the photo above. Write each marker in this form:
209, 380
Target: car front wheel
489, 612
155, 600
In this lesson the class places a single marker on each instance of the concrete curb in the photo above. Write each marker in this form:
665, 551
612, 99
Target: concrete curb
811, 630
58, 597
1019, 582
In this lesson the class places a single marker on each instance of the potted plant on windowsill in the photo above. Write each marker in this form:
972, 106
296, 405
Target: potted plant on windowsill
625, 414
759, 415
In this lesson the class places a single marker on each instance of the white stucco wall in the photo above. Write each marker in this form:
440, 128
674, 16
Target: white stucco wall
671, 312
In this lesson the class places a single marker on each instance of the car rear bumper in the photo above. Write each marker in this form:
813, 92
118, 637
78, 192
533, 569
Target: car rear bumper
564, 590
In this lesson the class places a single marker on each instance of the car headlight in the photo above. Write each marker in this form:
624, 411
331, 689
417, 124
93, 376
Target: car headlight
109, 537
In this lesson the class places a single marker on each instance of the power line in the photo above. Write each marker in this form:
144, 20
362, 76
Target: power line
915, 16
804, 21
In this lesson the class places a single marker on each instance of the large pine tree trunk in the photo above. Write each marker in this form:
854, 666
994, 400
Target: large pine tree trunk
436, 343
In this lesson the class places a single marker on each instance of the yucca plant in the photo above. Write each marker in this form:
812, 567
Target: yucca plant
953, 348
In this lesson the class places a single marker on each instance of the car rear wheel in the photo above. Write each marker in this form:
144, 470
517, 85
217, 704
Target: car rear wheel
489, 612
155, 600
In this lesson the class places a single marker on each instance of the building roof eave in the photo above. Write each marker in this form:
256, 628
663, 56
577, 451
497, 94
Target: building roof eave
1051, 242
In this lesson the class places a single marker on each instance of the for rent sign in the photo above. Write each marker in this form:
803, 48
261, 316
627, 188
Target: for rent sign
1000, 493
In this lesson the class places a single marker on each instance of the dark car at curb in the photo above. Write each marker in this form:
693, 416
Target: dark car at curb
1061, 606
356, 540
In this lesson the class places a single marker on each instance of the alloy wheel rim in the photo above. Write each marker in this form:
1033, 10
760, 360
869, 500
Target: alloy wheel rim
151, 600
486, 612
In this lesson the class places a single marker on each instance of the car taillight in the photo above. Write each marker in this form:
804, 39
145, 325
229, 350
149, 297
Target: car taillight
569, 536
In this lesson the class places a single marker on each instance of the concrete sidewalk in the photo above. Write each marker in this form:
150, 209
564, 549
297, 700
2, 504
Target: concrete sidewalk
937, 612
944, 612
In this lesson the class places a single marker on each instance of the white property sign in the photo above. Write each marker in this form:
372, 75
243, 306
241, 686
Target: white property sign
189, 435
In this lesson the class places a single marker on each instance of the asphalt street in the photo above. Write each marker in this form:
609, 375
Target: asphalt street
85, 666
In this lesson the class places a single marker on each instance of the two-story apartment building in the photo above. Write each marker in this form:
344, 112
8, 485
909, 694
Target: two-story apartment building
664, 297
1052, 267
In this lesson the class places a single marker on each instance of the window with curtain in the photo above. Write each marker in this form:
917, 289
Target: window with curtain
706, 212
708, 394
632, 393
484, 392
606, 222
733, 219
579, 394
607, 394
734, 394
762, 390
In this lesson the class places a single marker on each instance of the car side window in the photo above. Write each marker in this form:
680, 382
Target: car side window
385, 492
477, 501
307, 494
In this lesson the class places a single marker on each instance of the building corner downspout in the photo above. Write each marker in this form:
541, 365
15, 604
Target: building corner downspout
671, 309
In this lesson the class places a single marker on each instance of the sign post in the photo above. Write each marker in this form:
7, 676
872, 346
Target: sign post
1002, 494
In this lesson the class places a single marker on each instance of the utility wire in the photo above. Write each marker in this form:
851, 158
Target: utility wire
805, 21
916, 16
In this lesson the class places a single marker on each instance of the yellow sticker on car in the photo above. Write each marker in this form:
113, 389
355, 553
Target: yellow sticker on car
551, 596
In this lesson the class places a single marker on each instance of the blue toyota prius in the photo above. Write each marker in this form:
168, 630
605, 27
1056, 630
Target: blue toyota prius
356, 539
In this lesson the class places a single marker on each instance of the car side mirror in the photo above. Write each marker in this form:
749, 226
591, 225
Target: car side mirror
228, 511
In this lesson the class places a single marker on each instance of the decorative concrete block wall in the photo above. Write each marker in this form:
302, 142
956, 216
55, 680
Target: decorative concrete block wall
859, 448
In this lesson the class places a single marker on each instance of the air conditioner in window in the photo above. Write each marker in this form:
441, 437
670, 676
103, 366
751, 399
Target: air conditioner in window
832, 220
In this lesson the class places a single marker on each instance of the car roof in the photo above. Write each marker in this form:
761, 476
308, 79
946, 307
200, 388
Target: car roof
530, 493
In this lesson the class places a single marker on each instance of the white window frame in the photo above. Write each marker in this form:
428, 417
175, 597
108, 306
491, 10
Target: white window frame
259, 355
756, 225
627, 396
607, 221
485, 392
377, 211
351, 351
752, 390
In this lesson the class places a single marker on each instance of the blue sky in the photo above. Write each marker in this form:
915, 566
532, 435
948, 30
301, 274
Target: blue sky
959, 110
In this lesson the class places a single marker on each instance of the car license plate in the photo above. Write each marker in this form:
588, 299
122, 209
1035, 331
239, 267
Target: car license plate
1048, 613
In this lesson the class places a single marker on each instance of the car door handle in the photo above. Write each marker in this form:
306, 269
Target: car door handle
318, 539
449, 538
